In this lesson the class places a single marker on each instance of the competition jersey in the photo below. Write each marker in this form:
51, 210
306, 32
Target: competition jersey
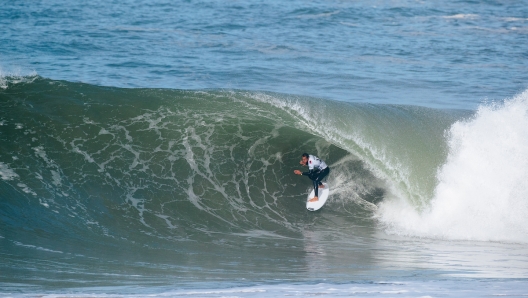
315, 163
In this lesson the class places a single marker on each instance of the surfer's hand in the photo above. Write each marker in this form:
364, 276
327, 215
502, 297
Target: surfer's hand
297, 172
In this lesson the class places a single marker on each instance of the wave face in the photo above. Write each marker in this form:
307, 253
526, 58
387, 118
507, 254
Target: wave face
87, 170
93, 164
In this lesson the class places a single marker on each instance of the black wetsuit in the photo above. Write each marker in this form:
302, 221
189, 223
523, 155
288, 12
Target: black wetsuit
316, 174
316, 177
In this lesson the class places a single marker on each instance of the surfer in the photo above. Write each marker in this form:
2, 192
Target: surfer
317, 170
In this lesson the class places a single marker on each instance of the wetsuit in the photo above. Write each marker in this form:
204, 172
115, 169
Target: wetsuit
317, 170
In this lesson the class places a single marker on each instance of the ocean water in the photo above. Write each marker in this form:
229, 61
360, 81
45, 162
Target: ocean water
147, 148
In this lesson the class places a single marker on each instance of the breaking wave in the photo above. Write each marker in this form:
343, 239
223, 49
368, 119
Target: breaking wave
156, 166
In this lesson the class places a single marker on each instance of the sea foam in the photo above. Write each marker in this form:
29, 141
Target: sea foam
482, 189
16, 76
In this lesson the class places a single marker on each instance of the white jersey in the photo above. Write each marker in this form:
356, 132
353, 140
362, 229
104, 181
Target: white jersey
315, 163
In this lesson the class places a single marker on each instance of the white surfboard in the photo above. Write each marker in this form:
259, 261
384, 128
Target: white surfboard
323, 196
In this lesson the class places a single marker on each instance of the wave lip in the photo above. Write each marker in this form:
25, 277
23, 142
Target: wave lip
15, 77
482, 193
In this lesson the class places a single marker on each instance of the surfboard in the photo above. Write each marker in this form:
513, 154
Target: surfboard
323, 196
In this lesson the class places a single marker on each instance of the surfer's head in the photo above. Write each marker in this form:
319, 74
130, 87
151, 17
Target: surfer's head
304, 158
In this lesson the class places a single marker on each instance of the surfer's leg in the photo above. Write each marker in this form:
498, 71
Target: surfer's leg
316, 187
320, 177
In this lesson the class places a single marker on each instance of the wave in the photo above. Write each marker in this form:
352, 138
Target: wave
86, 162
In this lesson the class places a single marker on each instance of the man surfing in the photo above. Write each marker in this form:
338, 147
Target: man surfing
317, 170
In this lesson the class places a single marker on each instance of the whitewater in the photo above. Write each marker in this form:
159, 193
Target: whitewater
481, 192
148, 148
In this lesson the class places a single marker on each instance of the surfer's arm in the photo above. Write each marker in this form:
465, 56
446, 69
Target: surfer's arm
310, 172
297, 172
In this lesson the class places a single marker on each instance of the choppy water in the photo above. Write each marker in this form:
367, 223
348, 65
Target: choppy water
442, 54
183, 185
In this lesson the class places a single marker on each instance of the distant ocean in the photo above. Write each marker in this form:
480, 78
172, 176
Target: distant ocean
147, 148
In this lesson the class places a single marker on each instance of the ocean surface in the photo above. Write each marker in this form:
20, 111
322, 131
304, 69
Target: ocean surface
147, 148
